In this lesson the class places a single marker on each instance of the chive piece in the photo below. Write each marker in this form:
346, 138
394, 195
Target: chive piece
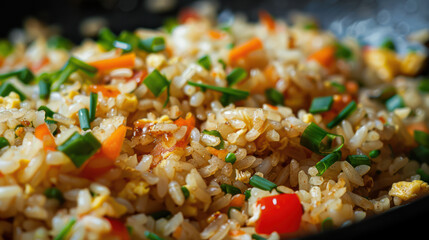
126, 47
66, 229
129, 38
339, 87
79, 64
84, 119
44, 86
230, 94
236, 76
204, 62
48, 112
424, 85
321, 104
420, 153
229, 210
7, 88
257, 237
185, 192
230, 158
383, 94
343, 114
320, 141
421, 138
152, 45
230, 45
274, 97
62, 77
226, 188
58, 42
262, 183
54, 193
129, 230
388, 44
343, 52
327, 224
6, 48
394, 103
216, 133
4, 142
327, 161
156, 82
356, 160
93, 99
374, 153
160, 214
170, 24
152, 236
223, 63
24, 75
80, 148
106, 39
247, 195
423, 175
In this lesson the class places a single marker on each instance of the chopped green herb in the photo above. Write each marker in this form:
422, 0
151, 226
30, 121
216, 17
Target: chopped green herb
185, 192
48, 112
93, 99
423, 175
24, 75
54, 193
6, 48
129, 38
4, 142
320, 141
420, 153
327, 224
226, 188
395, 102
383, 94
274, 97
160, 214
152, 236
7, 88
424, 85
327, 161
44, 86
204, 62
247, 195
262, 183
224, 64
63, 75
236, 76
126, 47
106, 38
86, 68
311, 26
343, 52
356, 160
343, 114
321, 104
230, 158
80, 148
152, 45
216, 133
339, 87
229, 94
257, 237
129, 230
388, 44
421, 138
374, 153
58, 42
66, 229
156, 82
170, 24
83, 115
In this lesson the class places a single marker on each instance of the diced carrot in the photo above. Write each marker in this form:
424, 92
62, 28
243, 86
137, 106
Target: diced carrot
237, 200
118, 229
111, 147
96, 166
324, 56
215, 34
35, 67
138, 76
187, 15
275, 108
244, 49
189, 122
107, 91
178, 232
236, 233
352, 87
266, 19
219, 153
420, 126
43, 134
340, 102
124, 61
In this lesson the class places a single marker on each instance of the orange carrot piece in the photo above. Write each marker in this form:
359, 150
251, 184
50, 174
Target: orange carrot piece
419, 126
352, 87
324, 56
219, 153
266, 19
43, 134
237, 200
244, 49
189, 122
177, 233
111, 147
107, 91
35, 67
124, 61
215, 34
236, 233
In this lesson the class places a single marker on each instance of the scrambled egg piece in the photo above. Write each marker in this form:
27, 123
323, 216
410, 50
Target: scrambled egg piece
117, 209
408, 190
156, 60
133, 189
130, 102
11, 101
412, 63
384, 62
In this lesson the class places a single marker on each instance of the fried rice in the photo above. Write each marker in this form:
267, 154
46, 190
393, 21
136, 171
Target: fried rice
207, 131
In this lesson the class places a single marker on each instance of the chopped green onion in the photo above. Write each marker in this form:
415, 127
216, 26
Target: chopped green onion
274, 97
230, 208
129, 38
24, 75
156, 82
257, 237
204, 62
106, 38
44, 86
230, 45
152, 236
310, 26
230, 158
247, 195
4, 142
374, 153
340, 87
129, 230
356, 160
420, 153
223, 63
170, 24
185, 192
421, 138
327, 161
54, 193
388, 44
126, 47
48, 112
424, 85
394, 103
423, 175
320, 141
160, 214
6, 48
79, 64
230, 94
216, 133
63, 75
152, 45
343, 52
83, 115
7, 88
383, 94
343, 114
66, 229
262, 183
80, 148
93, 99
226, 188
58, 42
321, 104
236, 76
327, 224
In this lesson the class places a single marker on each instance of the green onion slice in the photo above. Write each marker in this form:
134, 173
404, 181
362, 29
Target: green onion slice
257, 237
394, 103
44, 86
262, 183
223, 63
247, 195
185, 192
7, 88
420, 153
106, 38
152, 45
388, 44
229, 94
424, 85
383, 94
321, 104
152, 236
63, 75
79, 64
236, 76
327, 161
226, 188
6, 48
374, 153
93, 99
24, 75
80, 148
66, 229
421, 138
83, 115
126, 47
58, 42
343, 114
230, 158
423, 175
320, 141
356, 160
129, 38
160, 214
274, 97
339, 87
216, 133
343, 52
4, 142
204, 62
156, 82
170, 24
54, 193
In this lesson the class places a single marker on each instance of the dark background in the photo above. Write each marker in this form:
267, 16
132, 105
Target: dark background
367, 20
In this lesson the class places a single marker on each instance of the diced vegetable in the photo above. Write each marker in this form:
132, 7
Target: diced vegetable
106, 91
66, 229
43, 134
4, 142
257, 237
123, 61
44, 86
111, 147
262, 183
356, 160
170, 24
236, 76
81, 65
324, 56
80, 148
216, 133
24, 75
160, 214
383, 94
6, 48
244, 49
419, 126
152, 236
343, 114
49, 114
343, 52
279, 213
84, 119
247, 195
320, 141
327, 161
388, 44
64, 74
339, 87
274, 97
226, 188
420, 153
229, 94
422, 138
204, 62
237, 200
424, 85
266, 19
54, 193
423, 175
394, 103
374, 153
156, 82
7, 88
106, 38
118, 229
58, 42
93, 99
185, 192
152, 45
321, 104
230, 158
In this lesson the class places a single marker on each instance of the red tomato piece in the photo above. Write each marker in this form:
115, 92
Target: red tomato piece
118, 229
280, 213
